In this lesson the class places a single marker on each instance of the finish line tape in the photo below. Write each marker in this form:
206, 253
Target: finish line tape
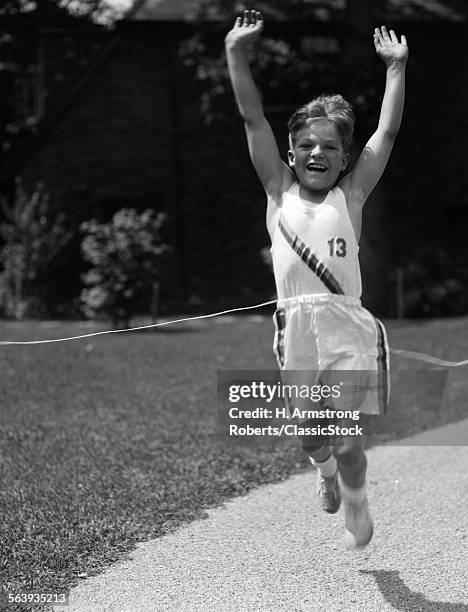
428, 358
119, 331
400, 352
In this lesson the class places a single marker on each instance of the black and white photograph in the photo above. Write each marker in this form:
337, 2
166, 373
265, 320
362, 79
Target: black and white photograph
233, 305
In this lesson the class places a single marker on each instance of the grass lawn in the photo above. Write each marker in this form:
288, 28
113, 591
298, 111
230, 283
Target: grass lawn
110, 440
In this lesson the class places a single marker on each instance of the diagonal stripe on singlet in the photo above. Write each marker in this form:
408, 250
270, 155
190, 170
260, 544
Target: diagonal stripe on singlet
309, 258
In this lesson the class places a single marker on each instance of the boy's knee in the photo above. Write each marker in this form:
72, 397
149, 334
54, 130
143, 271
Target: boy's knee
319, 452
315, 443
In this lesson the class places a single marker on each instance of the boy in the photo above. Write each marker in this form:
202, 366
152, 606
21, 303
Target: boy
315, 223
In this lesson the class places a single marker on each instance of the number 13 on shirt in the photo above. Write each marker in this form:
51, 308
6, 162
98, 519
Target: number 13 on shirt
337, 247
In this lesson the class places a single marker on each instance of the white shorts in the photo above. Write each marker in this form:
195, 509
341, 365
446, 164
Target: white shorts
335, 338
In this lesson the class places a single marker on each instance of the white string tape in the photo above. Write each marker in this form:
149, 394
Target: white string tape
429, 358
400, 352
119, 331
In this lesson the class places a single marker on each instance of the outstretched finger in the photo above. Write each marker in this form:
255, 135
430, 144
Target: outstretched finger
385, 35
253, 18
403, 40
259, 21
393, 36
238, 22
246, 18
377, 37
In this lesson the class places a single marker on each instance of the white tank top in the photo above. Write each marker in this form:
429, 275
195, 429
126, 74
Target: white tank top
314, 247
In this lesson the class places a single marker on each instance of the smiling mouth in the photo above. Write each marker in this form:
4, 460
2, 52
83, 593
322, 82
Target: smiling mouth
313, 167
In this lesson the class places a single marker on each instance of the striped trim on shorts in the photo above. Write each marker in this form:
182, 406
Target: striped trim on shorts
383, 367
278, 342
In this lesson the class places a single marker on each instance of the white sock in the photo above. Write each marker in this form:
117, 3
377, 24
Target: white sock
326, 468
352, 495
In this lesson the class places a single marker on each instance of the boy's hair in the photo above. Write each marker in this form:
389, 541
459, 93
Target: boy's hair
334, 108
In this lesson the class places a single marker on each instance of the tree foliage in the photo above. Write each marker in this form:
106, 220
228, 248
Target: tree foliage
279, 70
105, 12
282, 69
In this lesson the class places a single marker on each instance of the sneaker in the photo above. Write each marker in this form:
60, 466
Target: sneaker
359, 527
329, 493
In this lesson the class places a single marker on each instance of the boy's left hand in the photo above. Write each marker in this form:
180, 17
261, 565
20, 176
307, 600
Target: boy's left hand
388, 48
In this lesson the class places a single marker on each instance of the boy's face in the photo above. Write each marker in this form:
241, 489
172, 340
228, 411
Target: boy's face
317, 155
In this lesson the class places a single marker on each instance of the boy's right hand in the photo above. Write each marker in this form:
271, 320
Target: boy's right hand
246, 30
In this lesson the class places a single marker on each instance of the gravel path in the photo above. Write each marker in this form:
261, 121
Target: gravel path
274, 549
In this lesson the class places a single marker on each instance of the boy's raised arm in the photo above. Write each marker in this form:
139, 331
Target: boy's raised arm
273, 173
373, 159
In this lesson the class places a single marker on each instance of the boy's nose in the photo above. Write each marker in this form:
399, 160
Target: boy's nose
317, 151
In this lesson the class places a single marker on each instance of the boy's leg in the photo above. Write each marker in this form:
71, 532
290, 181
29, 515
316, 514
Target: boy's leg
352, 467
352, 462
322, 458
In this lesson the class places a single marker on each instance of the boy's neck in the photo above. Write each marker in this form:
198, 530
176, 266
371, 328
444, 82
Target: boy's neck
313, 196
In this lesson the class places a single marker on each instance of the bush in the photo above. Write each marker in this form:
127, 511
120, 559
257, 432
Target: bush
33, 238
436, 285
125, 255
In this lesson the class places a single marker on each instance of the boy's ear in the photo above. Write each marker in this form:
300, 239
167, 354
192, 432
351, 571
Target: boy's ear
291, 158
345, 162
